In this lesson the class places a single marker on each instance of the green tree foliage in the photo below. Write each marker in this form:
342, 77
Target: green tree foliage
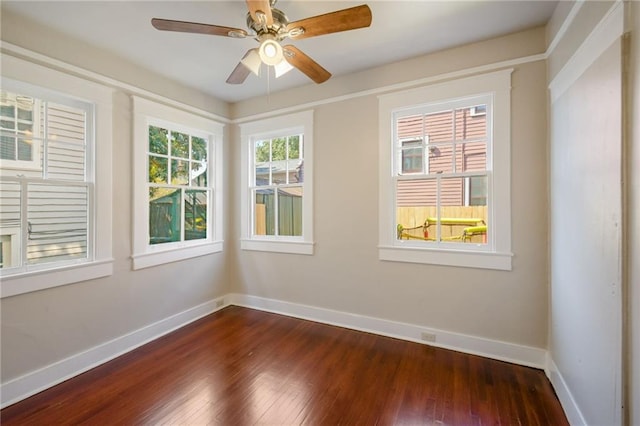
278, 149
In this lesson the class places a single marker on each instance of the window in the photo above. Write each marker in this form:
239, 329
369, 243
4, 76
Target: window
18, 113
55, 225
178, 191
444, 153
277, 198
177, 184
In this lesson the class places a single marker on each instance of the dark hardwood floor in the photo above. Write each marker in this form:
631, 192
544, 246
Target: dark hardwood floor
240, 366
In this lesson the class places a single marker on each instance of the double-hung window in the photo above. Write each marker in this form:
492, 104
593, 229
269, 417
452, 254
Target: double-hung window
445, 173
55, 217
177, 184
276, 184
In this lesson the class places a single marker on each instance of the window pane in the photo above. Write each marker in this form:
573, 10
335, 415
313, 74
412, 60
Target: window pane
66, 160
10, 223
264, 210
198, 173
471, 157
478, 191
10, 205
6, 124
57, 218
290, 211
179, 172
262, 151
412, 159
164, 215
158, 141
416, 209
157, 169
298, 173
7, 108
179, 145
278, 149
195, 214
439, 126
7, 147
470, 125
25, 149
262, 174
66, 124
460, 222
294, 147
440, 158
198, 148
410, 127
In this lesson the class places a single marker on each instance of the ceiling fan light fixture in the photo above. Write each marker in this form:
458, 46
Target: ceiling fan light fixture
282, 68
252, 61
271, 52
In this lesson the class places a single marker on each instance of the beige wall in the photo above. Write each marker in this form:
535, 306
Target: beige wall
43, 327
345, 274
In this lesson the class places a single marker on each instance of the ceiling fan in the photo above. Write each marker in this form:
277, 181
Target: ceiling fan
269, 26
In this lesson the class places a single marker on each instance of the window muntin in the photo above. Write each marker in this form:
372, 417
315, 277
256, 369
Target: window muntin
46, 181
179, 195
440, 150
278, 177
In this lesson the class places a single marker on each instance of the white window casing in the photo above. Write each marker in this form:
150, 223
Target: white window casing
149, 113
40, 82
300, 123
494, 89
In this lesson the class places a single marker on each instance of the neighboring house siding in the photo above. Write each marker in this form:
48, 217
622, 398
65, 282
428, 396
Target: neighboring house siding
438, 131
57, 207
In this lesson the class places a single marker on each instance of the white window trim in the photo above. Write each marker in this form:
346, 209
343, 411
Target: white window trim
148, 112
101, 263
301, 122
498, 85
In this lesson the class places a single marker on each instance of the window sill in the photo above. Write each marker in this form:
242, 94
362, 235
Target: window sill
291, 247
467, 259
28, 282
147, 260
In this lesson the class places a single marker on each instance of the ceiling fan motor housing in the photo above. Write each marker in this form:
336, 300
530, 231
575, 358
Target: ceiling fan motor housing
278, 29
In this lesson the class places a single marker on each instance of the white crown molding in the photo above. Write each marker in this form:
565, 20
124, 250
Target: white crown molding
395, 87
26, 54
565, 26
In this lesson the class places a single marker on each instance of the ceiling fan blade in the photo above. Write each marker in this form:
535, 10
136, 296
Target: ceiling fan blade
308, 66
193, 27
333, 22
263, 6
239, 74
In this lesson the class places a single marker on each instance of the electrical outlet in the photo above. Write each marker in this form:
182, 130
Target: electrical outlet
428, 337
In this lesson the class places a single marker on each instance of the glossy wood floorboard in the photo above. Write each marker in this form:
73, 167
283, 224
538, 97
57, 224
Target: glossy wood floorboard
241, 367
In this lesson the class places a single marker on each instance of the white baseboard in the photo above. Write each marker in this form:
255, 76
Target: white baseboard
571, 409
46, 377
503, 351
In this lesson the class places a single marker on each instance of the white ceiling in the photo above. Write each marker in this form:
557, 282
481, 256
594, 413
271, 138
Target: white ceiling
400, 30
